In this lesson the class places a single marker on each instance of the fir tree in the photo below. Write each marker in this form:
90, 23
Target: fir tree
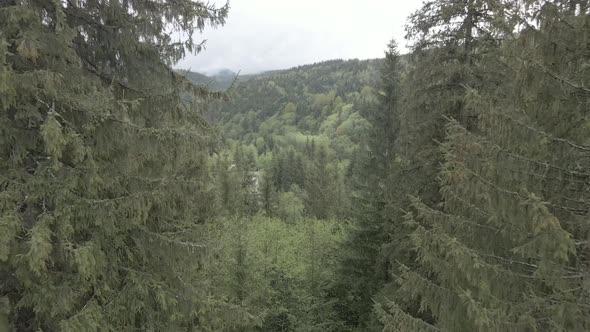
362, 271
319, 185
103, 167
505, 249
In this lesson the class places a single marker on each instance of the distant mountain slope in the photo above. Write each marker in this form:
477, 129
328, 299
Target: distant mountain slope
299, 99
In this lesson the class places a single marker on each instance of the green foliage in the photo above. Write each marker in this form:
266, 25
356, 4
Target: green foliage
279, 270
290, 207
237, 180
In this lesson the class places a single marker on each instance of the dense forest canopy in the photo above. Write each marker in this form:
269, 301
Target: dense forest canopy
446, 189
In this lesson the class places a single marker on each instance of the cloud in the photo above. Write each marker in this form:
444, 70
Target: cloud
275, 34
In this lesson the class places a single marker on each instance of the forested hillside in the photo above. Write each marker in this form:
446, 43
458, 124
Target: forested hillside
442, 190
299, 100
293, 135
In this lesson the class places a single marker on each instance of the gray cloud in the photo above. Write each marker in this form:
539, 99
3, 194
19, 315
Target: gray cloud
276, 34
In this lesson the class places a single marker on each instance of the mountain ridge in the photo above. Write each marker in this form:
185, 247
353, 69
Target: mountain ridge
223, 79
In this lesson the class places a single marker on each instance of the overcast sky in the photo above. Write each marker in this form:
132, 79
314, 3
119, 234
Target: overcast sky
276, 34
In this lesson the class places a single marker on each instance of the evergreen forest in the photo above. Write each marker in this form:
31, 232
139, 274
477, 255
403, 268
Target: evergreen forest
443, 189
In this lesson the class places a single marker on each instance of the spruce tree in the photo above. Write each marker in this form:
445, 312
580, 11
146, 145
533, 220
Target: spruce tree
448, 39
103, 167
504, 251
319, 185
362, 273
